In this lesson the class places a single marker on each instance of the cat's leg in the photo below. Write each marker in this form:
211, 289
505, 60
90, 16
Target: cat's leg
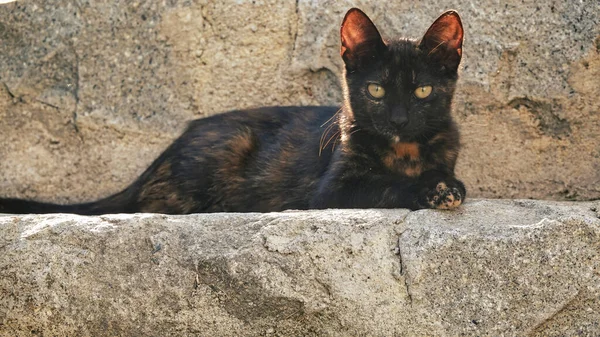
365, 192
440, 190
433, 190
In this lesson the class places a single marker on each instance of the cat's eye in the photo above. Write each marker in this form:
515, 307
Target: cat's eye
423, 92
376, 90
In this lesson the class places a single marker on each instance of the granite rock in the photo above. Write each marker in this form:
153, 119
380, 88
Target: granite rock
513, 268
92, 92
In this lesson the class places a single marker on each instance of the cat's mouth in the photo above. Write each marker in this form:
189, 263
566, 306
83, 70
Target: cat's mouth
394, 134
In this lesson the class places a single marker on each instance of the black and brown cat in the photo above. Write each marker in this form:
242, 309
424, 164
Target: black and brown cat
392, 144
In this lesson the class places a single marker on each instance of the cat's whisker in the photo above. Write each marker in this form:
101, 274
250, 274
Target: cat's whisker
332, 117
335, 143
436, 47
323, 135
335, 135
354, 131
321, 144
327, 130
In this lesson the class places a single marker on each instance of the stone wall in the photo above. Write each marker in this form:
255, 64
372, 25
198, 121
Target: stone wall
92, 91
493, 268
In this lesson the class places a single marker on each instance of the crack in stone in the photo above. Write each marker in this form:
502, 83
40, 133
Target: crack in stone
10, 93
554, 314
76, 88
404, 273
324, 285
596, 210
47, 104
207, 20
296, 28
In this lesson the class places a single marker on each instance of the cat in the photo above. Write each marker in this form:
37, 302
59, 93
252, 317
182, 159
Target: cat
392, 144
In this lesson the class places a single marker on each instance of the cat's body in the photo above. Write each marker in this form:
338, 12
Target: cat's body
386, 147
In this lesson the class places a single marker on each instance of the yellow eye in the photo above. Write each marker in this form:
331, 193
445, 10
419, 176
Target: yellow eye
376, 90
423, 92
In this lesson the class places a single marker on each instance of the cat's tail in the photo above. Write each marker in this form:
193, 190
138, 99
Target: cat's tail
117, 203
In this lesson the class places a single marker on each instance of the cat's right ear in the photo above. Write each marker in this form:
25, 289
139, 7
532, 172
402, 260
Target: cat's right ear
361, 41
443, 40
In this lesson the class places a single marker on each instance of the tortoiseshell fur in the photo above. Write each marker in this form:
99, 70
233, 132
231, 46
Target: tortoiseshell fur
397, 152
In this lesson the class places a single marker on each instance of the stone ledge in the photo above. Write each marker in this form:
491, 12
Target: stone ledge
492, 268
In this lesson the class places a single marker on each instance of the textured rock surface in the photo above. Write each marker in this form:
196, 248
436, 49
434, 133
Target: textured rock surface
514, 268
91, 92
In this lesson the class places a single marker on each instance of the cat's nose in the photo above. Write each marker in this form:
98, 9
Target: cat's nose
399, 121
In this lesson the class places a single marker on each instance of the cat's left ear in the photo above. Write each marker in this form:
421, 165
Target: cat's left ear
361, 40
443, 40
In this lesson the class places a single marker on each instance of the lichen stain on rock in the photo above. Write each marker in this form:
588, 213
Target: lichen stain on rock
242, 295
547, 114
585, 74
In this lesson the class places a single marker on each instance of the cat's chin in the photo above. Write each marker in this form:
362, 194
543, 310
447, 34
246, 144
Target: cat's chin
402, 139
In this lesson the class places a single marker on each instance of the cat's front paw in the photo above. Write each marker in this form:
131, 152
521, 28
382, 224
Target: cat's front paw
445, 196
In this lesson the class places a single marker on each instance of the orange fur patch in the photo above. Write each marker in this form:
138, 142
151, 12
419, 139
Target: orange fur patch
450, 157
437, 138
404, 158
242, 144
410, 150
413, 171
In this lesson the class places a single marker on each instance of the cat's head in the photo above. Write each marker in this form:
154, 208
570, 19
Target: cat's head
401, 90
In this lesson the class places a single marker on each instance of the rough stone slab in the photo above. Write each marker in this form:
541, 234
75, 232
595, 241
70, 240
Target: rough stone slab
84, 83
526, 268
